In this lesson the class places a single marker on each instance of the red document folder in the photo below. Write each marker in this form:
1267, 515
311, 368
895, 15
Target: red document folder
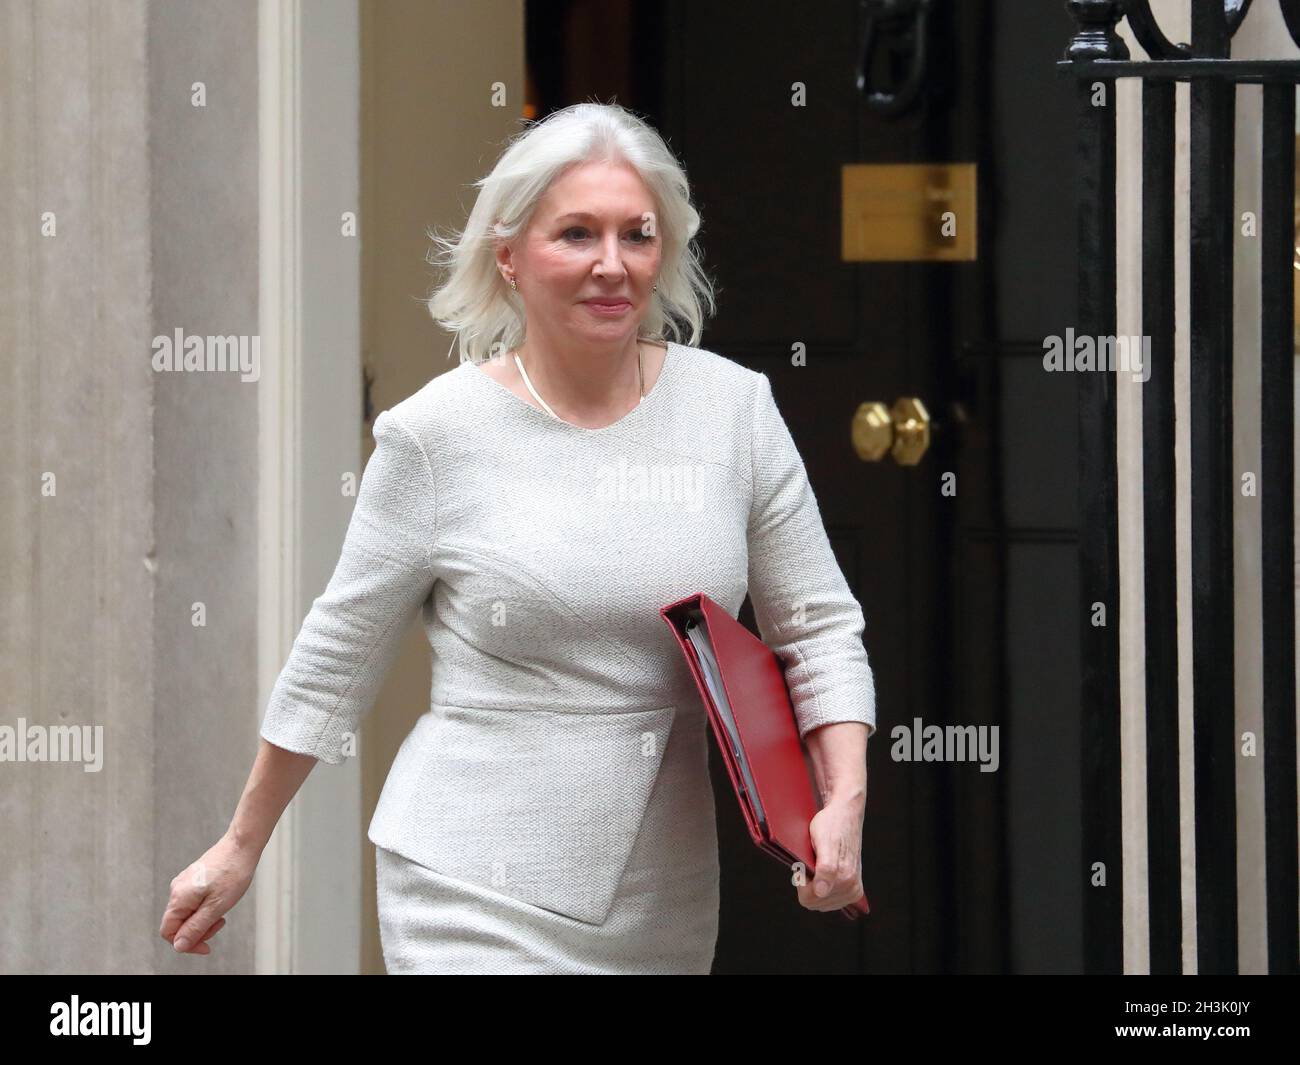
755, 727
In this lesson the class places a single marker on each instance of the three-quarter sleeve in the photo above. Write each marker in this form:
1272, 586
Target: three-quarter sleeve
805, 611
352, 633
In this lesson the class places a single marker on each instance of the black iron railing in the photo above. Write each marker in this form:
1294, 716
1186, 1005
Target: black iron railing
1096, 57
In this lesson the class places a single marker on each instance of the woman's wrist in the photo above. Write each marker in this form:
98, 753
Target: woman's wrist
851, 796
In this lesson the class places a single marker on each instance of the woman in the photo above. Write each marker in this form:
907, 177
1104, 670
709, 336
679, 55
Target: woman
552, 810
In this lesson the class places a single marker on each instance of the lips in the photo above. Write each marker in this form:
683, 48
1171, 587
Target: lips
609, 303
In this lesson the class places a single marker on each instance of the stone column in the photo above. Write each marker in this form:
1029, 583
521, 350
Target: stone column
130, 185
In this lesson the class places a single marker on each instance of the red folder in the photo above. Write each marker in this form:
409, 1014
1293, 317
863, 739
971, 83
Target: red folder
765, 759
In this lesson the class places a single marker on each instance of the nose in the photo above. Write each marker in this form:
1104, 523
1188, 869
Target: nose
610, 261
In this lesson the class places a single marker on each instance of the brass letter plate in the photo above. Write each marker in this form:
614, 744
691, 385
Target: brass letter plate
908, 212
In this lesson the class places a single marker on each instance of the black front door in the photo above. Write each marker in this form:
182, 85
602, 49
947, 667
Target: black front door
965, 563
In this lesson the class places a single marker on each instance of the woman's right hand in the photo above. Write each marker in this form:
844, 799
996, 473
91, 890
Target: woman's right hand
205, 891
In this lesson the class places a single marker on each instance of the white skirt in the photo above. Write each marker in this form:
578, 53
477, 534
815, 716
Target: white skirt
664, 919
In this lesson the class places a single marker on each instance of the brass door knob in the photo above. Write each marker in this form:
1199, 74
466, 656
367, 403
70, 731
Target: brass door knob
902, 431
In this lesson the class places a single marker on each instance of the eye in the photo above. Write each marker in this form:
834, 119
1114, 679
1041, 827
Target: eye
639, 237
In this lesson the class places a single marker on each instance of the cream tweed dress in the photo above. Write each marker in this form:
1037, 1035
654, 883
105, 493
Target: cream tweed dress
551, 811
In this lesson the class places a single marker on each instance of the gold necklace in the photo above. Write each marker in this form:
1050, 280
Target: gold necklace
640, 372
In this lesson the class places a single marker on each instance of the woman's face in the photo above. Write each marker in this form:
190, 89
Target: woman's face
593, 237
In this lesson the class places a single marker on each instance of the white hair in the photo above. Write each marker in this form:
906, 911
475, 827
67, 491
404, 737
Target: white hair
480, 307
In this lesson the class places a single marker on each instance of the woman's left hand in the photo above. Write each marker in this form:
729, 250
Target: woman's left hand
836, 832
